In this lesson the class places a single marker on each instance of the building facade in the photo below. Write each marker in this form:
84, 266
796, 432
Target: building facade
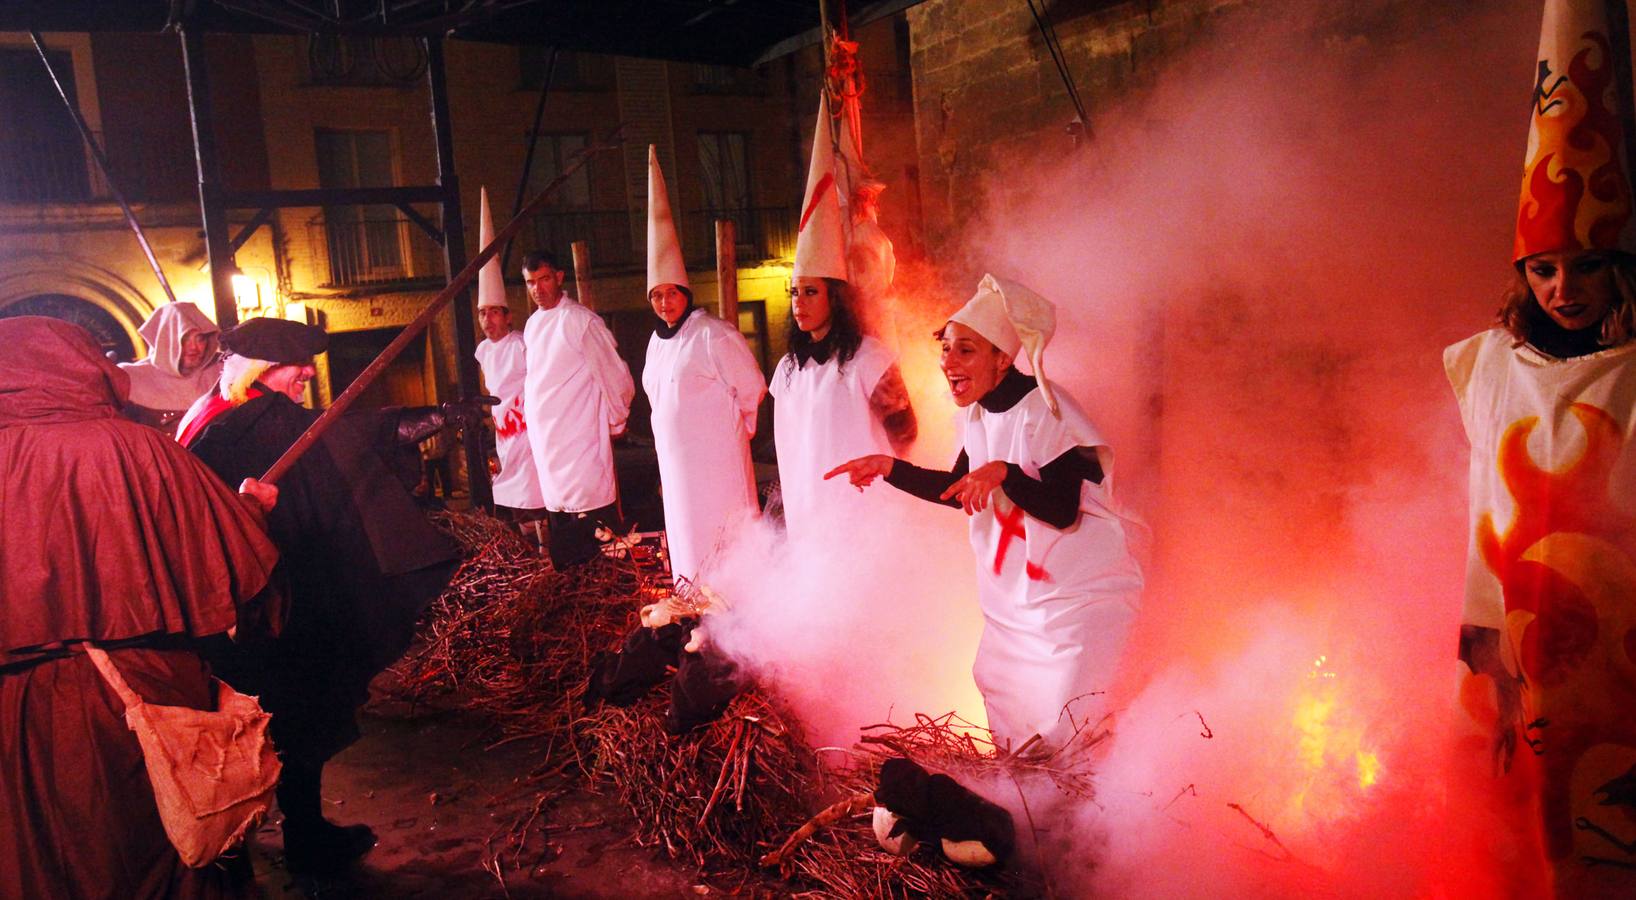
293, 112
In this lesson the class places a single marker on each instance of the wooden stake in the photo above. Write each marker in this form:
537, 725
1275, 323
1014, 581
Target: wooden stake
582, 274
828, 816
727, 270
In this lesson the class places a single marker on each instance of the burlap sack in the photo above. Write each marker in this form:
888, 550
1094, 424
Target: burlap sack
213, 773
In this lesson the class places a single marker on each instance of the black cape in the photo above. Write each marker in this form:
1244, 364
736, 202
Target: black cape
358, 560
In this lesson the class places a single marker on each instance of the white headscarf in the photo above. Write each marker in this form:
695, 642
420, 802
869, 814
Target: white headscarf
1016, 321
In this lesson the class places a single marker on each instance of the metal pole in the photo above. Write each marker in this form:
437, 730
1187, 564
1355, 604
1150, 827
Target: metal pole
102, 164
454, 259
211, 209
457, 286
582, 274
727, 270
528, 158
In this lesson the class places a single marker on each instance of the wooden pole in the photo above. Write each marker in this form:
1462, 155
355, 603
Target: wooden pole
582, 274
456, 285
727, 270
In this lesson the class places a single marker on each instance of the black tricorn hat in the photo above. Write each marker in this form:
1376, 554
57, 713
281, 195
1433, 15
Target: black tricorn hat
275, 340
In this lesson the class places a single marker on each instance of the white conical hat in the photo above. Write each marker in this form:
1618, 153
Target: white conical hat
820, 239
1015, 320
491, 284
665, 264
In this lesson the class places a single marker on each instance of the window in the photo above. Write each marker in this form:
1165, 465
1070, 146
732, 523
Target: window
708, 75
41, 157
552, 154
571, 215
366, 243
724, 167
716, 79
725, 164
752, 323
574, 72
355, 60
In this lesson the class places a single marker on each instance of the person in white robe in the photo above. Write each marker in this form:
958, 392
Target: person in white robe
704, 387
838, 393
1548, 400
1056, 579
503, 360
183, 362
576, 398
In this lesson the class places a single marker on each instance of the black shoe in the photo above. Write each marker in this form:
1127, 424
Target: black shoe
325, 848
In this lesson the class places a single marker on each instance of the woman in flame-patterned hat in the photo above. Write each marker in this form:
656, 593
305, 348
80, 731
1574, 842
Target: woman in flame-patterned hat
1548, 397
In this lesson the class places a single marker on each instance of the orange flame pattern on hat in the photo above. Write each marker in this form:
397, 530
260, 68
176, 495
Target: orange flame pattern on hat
1575, 193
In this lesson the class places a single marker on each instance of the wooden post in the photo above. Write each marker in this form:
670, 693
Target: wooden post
582, 274
727, 270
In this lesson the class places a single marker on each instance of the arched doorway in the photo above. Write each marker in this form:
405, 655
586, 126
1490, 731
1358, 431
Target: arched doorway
93, 318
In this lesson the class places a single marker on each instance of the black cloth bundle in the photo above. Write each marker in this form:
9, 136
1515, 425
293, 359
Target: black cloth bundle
934, 808
705, 681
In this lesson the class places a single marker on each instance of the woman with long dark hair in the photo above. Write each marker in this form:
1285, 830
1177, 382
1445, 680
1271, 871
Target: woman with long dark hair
837, 393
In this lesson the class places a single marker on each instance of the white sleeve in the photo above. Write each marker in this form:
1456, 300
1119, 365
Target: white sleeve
730, 353
611, 374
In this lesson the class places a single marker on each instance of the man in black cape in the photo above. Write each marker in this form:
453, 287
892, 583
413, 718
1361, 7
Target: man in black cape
358, 558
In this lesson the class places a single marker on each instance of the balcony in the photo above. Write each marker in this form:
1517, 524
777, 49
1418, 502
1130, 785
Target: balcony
764, 232
367, 250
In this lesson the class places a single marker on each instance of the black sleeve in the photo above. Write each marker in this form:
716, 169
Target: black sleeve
1054, 498
927, 484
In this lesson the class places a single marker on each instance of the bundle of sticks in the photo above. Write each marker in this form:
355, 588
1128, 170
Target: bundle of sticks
514, 637
515, 640
722, 793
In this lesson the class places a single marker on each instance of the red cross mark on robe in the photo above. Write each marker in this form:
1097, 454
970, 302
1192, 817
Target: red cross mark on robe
511, 423
1011, 526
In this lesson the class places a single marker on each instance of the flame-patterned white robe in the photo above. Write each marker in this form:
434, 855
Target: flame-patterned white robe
1548, 642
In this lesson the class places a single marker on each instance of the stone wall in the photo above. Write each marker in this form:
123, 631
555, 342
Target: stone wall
985, 85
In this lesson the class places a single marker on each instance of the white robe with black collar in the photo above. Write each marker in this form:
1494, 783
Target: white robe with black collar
704, 386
